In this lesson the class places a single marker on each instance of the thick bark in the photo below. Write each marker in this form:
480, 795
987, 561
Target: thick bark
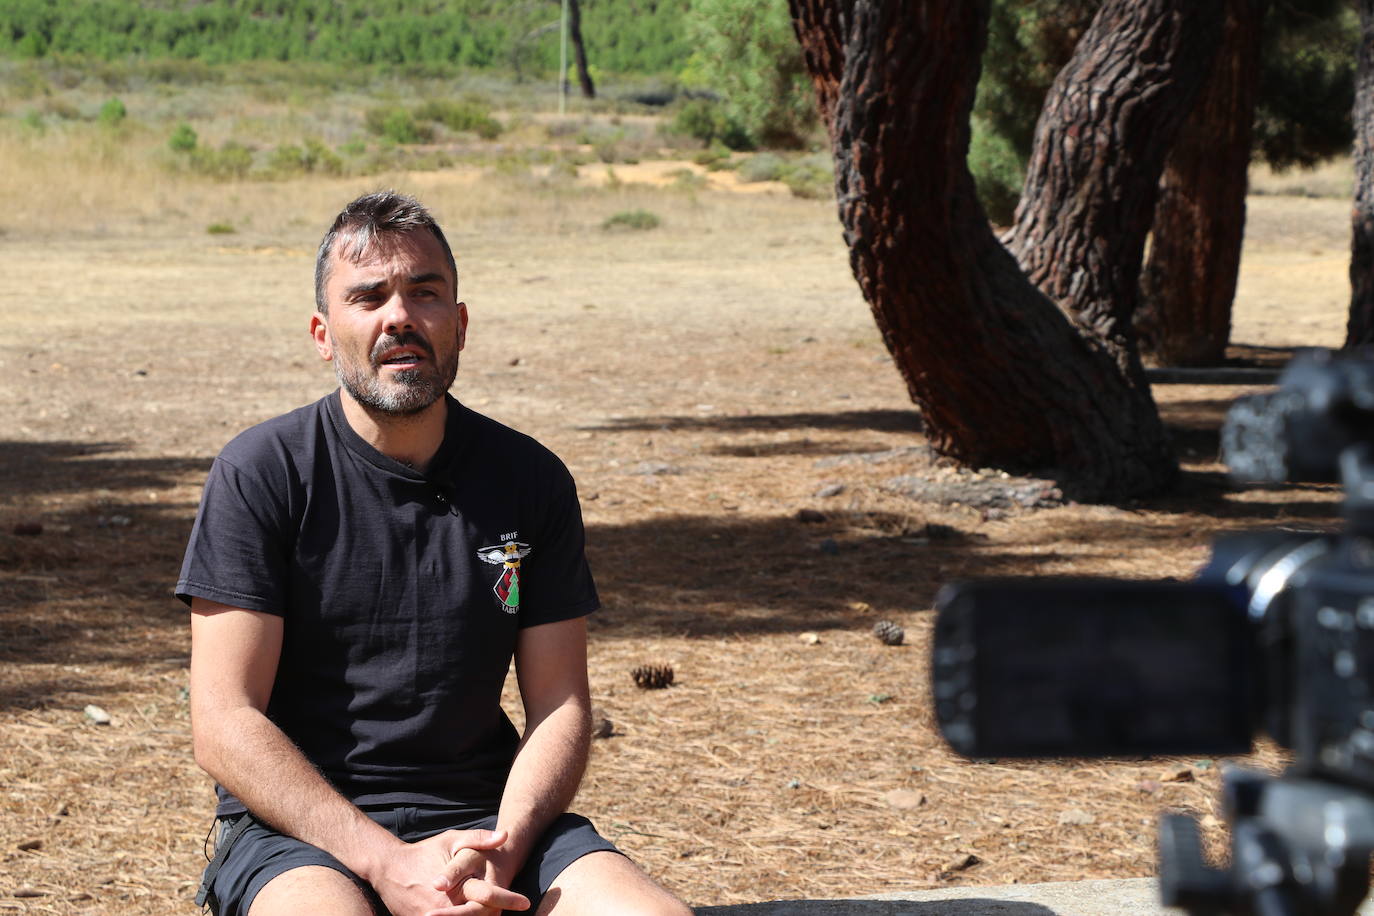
584, 76
1001, 376
1189, 280
1093, 177
1360, 330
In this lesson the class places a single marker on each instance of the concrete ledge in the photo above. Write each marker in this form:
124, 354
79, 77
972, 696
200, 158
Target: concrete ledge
1130, 897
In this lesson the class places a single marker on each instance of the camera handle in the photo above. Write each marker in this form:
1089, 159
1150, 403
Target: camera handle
1299, 847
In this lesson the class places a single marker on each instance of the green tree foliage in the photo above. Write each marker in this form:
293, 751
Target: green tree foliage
747, 51
1028, 42
1306, 87
1307, 82
623, 36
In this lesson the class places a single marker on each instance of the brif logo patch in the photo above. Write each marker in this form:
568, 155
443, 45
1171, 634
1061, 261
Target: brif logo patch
508, 557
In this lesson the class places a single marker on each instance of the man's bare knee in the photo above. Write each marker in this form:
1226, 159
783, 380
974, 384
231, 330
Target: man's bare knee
608, 884
310, 889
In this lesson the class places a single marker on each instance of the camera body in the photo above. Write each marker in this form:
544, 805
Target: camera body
1274, 635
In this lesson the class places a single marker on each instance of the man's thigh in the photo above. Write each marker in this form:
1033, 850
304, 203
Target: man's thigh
608, 884
311, 889
262, 863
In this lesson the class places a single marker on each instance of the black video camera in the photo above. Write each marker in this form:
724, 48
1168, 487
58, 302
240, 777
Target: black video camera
1275, 635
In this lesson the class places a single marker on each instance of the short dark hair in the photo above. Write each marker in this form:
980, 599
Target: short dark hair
359, 224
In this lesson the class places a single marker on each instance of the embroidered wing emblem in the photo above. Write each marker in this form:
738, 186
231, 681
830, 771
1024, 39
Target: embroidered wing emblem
508, 557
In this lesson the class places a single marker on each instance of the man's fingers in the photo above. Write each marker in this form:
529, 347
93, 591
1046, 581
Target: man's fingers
459, 865
474, 890
474, 839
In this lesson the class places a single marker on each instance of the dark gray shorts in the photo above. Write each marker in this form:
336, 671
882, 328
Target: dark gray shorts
260, 854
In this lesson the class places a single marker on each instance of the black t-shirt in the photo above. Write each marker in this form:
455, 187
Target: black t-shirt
401, 593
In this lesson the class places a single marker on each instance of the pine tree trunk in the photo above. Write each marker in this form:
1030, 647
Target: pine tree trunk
1189, 280
1360, 330
1001, 376
584, 75
1108, 123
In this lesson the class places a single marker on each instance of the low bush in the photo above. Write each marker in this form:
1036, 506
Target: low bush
469, 115
399, 125
714, 158
112, 113
220, 229
811, 177
762, 167
312, 156
183, 138
630, 220
232, 160
708, 121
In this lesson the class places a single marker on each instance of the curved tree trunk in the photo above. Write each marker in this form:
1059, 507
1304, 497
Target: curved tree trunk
1107, 126
584, 75
1001, 376
1360, 329
1189, 280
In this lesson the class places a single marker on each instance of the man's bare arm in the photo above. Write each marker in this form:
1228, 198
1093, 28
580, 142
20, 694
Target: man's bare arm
234, 657
551, 666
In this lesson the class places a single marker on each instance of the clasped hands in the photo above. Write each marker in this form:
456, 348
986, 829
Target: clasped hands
464, 878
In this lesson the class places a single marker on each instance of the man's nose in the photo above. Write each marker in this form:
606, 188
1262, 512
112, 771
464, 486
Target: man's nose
398, 315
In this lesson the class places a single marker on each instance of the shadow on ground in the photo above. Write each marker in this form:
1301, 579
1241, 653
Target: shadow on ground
968, 907
94, 585
90, 545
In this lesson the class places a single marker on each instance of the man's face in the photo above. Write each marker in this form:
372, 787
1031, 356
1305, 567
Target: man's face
394, 329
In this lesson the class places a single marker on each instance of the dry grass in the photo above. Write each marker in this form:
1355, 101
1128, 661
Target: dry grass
704, 380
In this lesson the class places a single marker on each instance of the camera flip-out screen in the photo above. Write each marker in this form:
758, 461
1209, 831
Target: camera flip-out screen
1093, 668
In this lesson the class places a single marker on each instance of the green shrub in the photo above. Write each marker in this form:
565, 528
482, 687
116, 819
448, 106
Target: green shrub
714, 158
696, 118
633, 220
220, 229
811, 177
232, 160
313, 156
183, 138
321, 159
112, 113
399, 125
998, 172
710, 122
470, 115
762, 167
33, 120
286, 160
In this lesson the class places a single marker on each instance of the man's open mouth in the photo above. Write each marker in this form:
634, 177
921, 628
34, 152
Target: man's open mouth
402, 358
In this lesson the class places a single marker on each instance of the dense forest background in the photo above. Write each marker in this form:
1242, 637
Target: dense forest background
630, 36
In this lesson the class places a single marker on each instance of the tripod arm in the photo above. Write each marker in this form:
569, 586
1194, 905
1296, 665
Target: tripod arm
1299, 846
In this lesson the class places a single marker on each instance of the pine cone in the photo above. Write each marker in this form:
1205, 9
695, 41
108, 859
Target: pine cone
652, 677
889, 633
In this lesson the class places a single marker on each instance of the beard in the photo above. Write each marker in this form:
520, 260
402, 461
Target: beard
407, 391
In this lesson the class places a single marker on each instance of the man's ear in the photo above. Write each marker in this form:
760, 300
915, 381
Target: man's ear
462, 324
319, 332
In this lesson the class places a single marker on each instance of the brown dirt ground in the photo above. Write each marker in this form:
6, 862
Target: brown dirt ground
705, 381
